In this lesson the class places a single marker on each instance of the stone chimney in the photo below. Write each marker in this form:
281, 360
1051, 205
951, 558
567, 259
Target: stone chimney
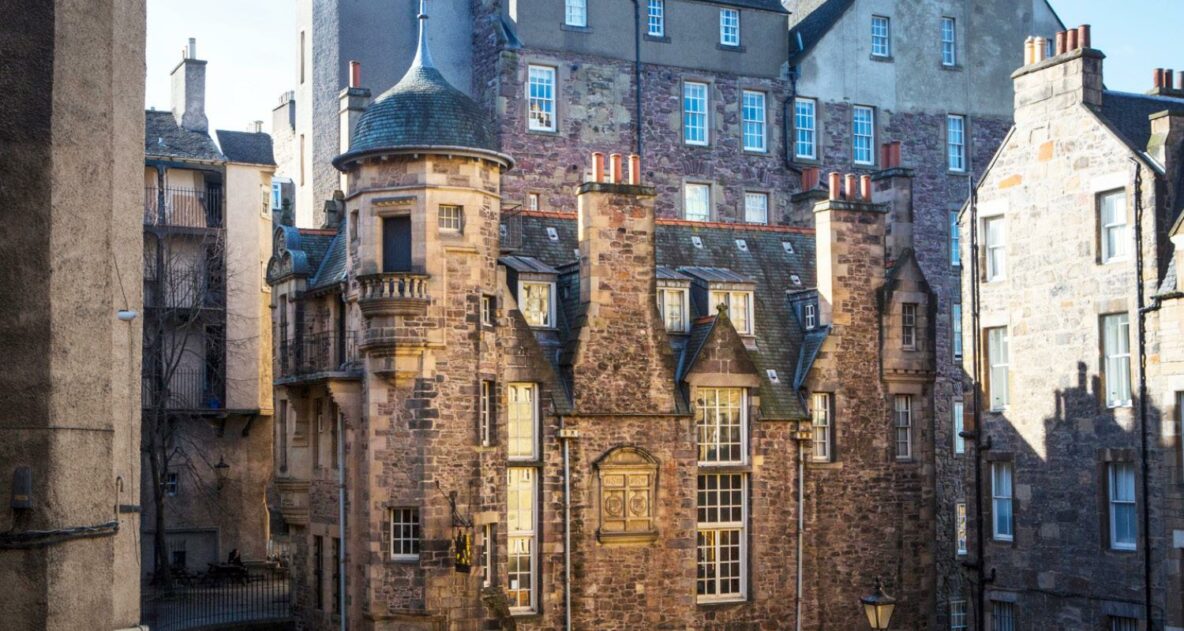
354, 100
284, 114
850, 236
623, 361
1166, 145
189, 90
1072, 76
1167, 83
893, 186
803, 202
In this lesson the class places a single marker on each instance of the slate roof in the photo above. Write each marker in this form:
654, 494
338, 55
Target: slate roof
764, 5
164, 138
332, 267
767, 263
814, 26
248, 147
527, 264
314, 244
1128, 113
1170, 283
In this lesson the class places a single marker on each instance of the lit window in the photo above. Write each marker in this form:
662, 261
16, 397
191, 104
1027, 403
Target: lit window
488, 405
955, 240
451, 218
1002, 616
1003, 528
960, 527
172, 484
656, 18
1123, 527
959, 425
521, 539
810, 315
541, 98
672, 302
997, 364
576, 13
956, 142
1112, 213
729, 27
739, 308
908, 325
721, 541
487, 310
949, 42
720, 417
697, 202
996, 248
1116, 359
532, 201
535, 301
880, 36
753, 114
522, 421
694, 113
904, 426
956, 329
805, 124
756, 208
863, 136
822, 412
957, 615
404, 533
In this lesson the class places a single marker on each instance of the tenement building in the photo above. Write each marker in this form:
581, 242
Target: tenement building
601, 419
1074, 320
207, 384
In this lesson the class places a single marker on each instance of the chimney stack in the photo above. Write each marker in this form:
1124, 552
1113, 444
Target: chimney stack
894, 187
810, 177
189, 90
353, 100
1077, 79
257, 127
849, 234
355, 73
1167, 82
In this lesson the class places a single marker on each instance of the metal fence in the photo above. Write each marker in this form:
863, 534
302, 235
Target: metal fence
218, 598
188, 389
329, 351
184, 207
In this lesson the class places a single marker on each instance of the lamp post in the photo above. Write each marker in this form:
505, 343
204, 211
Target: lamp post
878, 606
220, 471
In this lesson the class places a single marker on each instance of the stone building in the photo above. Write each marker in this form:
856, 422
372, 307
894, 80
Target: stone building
207, 383
598, 419
1075, 344
69, 425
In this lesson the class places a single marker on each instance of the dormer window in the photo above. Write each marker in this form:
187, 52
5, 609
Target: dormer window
673, 303
810, 316
739, 308
536, 301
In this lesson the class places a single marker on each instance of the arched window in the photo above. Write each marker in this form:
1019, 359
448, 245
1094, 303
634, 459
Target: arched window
628, 478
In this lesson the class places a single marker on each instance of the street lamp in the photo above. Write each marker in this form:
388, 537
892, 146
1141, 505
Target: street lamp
878, 606
220, 471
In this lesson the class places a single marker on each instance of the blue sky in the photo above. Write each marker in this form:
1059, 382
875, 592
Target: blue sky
251, 47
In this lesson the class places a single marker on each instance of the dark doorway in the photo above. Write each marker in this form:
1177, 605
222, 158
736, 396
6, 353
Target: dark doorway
396, 244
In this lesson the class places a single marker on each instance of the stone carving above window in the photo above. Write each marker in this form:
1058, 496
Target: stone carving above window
628, 478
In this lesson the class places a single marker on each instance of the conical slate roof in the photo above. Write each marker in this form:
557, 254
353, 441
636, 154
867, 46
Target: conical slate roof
422, 112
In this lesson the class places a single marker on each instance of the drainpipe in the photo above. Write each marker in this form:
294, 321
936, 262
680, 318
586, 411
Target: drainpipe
566, 529
976, 327
1144, 531
787, 117
637, 72
344, 610
801, 527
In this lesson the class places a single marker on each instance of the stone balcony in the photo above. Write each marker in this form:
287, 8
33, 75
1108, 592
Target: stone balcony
392, 294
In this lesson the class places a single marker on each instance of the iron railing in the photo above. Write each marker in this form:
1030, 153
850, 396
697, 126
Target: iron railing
328, 351
218, 598
183, 207
186, 389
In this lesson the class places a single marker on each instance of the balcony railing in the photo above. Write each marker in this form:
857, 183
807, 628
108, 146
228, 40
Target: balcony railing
328, 351
186, 389
183, 207
392, 293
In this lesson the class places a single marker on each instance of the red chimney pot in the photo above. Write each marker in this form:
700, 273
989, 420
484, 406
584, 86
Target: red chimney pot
833, 183
597, 166
849, 186
810, 178
1157, 81
1083, 35
1060, 43
615, 168
865, 188
1071, 39
355, 73
634, 169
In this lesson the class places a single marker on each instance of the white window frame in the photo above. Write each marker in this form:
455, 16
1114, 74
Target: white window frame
958, 410
532, 201
756, 207
881, 36
743, 324
575, 13
172, 483
687, 188
656, 18
956, 329
998, 364
805, 125
488, 560
406, 531
1002, 616
908, 325
450, 218
1121, 498
487, 310
996, 247
696, 103
1002, 494
683, 298
531, 316
863, 131
544, 118
956, 143
961, 547
1114, 231
517, 537
903, 426
729, 27
1116, 359
708, 534
488, 406
810, 316
958, 615
822, 414
714, 418
949, 42
522, 421
955, 241
753, 116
